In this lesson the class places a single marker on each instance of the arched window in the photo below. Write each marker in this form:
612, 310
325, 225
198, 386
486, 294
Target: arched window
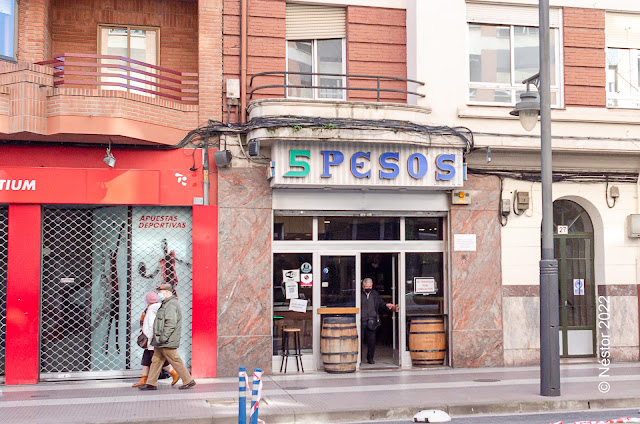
572, 215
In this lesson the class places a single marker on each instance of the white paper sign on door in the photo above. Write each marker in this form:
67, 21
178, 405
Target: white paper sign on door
290, 275
291, 289
298, 305
578, 286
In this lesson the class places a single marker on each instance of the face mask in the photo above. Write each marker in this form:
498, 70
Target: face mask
367, 291
161, 297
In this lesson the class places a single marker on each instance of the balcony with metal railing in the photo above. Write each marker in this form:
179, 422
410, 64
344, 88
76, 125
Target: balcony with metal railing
95, 99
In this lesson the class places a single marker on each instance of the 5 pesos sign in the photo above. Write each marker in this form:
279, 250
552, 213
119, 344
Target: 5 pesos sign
360, 167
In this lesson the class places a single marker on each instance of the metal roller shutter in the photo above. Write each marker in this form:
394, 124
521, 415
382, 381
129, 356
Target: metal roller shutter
622, 30
4, 234
306, 22
97, 265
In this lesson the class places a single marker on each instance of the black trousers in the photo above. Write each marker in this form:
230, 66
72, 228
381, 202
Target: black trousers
368, 337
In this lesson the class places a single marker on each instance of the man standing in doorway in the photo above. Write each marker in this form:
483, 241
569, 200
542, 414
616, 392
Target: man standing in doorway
167, 329
371, 305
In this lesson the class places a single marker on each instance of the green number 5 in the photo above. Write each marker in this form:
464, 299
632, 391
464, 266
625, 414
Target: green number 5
293, 154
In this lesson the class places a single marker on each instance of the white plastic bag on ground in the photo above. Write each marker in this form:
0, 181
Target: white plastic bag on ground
431, 416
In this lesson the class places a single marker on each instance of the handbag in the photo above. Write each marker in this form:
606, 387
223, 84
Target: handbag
142, 340
373, 323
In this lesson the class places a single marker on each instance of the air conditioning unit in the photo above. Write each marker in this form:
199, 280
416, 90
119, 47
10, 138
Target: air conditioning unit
633, 225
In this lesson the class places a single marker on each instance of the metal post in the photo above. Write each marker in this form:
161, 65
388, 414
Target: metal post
256, 394
205, 173
549, 331
242, 396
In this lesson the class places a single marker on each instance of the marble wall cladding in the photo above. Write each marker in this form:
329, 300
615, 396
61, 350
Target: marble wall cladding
476, 285
245, 351
521, 317
244, 270
521, 357
622, 325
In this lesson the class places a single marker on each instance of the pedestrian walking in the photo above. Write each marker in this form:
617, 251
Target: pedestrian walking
370, 307
167, 329
146, 323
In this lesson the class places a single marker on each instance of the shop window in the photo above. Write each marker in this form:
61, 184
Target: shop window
358, 228
501, 57
8, 30
137, 43
423, 228
623, 76
291, 268
338, 281
306, 57
421, 300
292, 227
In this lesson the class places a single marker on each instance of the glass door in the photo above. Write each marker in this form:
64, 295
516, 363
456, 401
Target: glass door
338, 290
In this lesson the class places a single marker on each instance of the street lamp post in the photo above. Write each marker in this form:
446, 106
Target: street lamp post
525, 109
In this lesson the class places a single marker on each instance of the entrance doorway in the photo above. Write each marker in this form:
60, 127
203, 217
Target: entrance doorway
573, 247
382, 268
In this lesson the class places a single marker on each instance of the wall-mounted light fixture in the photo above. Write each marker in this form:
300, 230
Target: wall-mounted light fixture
108, 157
222, 158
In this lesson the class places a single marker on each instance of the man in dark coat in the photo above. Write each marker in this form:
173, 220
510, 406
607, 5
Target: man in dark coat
371, 305
167, 329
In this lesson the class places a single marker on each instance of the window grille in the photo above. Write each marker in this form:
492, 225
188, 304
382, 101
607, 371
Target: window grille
97, 265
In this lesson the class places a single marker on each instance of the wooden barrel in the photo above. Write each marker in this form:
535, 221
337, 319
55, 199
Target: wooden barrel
339, 344
427, 341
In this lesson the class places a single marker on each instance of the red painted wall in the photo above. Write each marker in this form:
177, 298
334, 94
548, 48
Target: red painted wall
205, 292
23, 295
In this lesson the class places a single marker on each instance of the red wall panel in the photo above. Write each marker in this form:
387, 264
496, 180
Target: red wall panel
23, 295
205, 292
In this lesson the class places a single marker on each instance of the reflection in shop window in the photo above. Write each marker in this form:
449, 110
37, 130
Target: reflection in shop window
300, 264
423, 228
292, 227
358, 228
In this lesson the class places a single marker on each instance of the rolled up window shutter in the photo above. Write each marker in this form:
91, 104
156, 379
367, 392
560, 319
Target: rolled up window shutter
622, 30
501, 14
306, 22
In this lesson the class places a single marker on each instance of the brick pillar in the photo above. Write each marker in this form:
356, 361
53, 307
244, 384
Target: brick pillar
34, 30
584, 57
210, 59
27, 85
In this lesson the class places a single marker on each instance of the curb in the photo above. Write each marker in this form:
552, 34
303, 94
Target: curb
455, 410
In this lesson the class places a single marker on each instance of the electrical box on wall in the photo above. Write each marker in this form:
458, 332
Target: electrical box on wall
633, 225
460, 197
233, 88
522, 201
505, 207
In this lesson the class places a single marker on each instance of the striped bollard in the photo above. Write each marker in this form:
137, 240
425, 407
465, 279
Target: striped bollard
256, 395
242, 396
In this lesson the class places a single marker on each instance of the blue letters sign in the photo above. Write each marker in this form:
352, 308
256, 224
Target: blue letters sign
350, 165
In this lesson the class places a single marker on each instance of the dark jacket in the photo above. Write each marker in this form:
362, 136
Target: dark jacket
167, 327
371, 307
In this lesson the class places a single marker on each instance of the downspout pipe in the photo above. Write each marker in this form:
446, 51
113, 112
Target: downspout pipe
205, 173
243, 59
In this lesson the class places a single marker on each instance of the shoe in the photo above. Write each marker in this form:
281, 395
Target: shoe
147, 387
188, 385
370, 361
142, 382
175, 377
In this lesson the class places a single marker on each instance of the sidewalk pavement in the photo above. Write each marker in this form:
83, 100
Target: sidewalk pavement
324, 398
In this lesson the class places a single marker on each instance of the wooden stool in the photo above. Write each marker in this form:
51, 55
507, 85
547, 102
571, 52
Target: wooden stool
296, 348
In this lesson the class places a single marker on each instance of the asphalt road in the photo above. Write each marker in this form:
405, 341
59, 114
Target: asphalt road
546, 418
